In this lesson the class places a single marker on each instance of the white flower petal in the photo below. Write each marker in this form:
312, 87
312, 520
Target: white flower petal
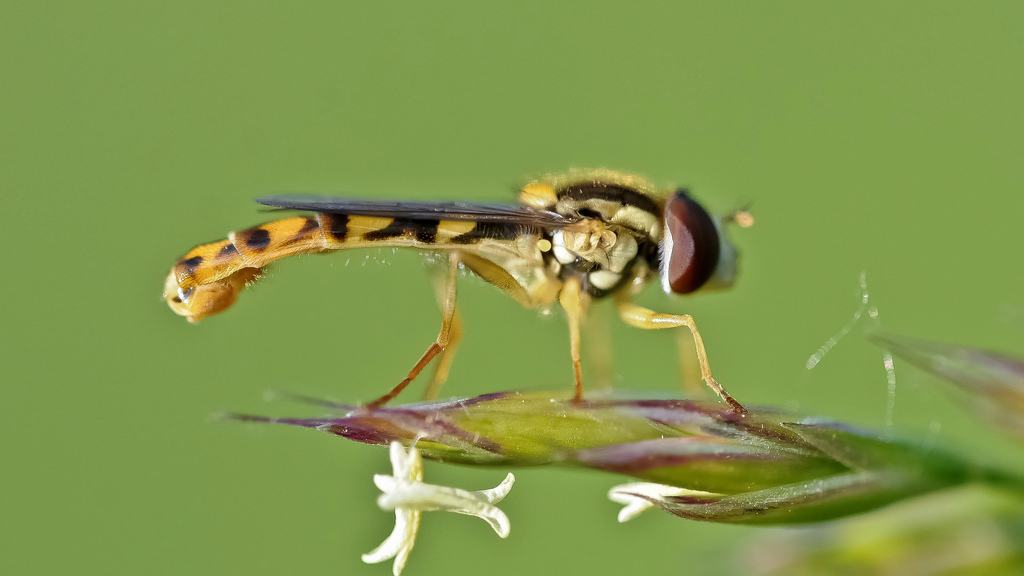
406, 464
408, 496
636, 496
412, 523
496, 494
384, 482
398, 456
498, 521
633, 509
390, 547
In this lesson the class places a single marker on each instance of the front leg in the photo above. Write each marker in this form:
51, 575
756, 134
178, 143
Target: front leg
648, 319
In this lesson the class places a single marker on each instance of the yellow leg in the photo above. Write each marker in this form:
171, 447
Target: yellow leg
444, 362
572, 300
498, 276
647, 319
448, 313
689, 366
539, 293
442, 286
599, 348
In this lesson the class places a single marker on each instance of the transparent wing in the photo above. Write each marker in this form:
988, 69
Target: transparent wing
504, 213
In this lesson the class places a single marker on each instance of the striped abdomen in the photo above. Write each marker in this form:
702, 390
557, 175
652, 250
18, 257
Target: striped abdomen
208, 279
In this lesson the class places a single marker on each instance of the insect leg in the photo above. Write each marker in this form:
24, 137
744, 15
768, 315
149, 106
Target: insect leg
445, 288
573, 302
444, 363
647, 319
539, 293
599, 347
499, 277
689, 366
447, 319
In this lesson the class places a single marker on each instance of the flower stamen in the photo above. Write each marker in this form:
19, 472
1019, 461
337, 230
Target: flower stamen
407, 494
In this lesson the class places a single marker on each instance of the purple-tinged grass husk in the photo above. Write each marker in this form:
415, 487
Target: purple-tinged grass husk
970, 530
767, 466
992, 381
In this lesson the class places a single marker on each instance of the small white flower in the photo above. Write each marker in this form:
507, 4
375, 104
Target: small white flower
633, 496
409, 497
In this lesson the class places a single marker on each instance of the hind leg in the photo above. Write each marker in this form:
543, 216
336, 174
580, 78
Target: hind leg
446, 358
449, 318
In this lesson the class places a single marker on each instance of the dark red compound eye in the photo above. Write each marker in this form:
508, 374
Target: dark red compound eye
692, 244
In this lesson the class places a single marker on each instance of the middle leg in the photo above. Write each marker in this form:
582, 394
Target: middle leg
599, 348
573, 301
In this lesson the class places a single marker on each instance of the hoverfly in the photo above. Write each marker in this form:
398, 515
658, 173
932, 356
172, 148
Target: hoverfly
572, 238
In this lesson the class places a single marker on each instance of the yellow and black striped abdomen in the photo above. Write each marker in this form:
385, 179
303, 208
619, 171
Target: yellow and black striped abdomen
208, 278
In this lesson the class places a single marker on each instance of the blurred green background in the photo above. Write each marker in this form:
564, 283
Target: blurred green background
878, 137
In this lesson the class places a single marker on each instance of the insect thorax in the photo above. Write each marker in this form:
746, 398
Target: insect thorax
615, 241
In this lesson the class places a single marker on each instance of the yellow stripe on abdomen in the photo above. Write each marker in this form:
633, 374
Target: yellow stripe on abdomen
207, 279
